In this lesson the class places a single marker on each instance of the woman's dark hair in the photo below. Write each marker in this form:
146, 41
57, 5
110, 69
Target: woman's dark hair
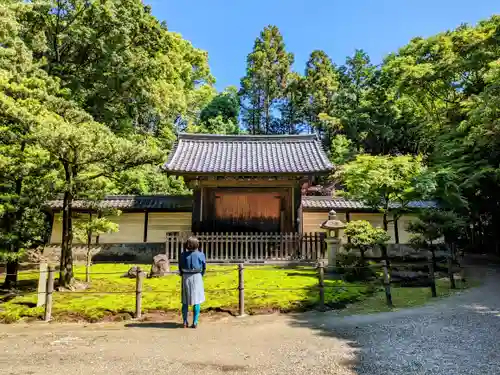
192, 243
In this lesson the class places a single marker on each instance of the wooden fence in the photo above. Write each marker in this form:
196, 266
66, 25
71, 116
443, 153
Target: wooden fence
258, 247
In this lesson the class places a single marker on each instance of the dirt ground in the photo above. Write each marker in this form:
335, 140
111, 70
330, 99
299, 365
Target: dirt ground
253, 345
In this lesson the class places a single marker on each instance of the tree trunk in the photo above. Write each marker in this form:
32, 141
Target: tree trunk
362, 256
13, 265
66, 264
267, 119
385, 222
11, 274
383, 247
433, 252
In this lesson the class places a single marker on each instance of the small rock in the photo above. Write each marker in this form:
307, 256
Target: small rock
132, 273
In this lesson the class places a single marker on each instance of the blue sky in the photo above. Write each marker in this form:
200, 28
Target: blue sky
227, 28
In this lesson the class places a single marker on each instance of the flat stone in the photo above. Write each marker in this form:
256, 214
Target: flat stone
132, 273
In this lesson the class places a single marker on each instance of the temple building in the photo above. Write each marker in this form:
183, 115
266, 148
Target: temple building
247, 183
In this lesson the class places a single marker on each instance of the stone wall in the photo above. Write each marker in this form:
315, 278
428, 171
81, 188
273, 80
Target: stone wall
127, 253
143, 253
397, 251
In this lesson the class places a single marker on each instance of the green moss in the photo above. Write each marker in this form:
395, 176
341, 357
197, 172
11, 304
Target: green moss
266, 288
404, 297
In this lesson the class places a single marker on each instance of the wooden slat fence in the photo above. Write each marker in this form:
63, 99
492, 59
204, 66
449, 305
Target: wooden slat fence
230, 247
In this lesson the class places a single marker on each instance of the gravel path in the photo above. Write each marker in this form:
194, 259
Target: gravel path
458, 335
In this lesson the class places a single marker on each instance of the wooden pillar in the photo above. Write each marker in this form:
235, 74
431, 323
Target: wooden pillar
146, 219
196, 213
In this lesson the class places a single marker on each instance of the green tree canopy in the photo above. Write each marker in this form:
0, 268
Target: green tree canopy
87, 152
387, 183
363, 236
121, 64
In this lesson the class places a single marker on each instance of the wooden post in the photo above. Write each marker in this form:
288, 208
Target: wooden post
138, 293
88, 263
432, 277
450, 271
387, 284
48, 294
321, 282
241, 290
42, 285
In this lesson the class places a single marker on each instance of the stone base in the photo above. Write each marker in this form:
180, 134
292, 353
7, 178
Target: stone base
397, 251
142, 253
332, 248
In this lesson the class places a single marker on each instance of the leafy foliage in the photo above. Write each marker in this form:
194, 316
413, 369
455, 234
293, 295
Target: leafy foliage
88, 226
435, 225
121, 64
93, 92
362, 237
387, 183
29, 98
87, 152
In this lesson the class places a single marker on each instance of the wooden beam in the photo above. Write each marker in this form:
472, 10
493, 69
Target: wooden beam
146, 220
348, 219
249, 183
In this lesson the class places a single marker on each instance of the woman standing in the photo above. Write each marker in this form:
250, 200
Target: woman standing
192, 266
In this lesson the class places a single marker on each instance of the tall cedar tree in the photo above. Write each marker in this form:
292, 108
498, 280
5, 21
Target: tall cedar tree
322, 83
263, 86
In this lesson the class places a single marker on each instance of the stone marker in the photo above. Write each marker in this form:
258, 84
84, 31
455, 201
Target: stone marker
160, 267
42, 284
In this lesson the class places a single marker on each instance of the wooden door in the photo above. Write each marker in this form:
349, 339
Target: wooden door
248, 211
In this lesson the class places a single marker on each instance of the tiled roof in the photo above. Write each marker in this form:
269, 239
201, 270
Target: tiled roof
133, 202
185, 203
339, 203
247, 154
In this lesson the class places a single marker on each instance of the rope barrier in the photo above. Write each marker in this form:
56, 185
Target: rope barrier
176, 291
272, 268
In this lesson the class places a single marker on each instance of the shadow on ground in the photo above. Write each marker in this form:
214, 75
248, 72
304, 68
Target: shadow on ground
22, 287
165, 325
456, 335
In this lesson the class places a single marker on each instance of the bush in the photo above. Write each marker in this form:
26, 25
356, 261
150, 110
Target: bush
353, 268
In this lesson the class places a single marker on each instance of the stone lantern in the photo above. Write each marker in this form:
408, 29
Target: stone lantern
332, 226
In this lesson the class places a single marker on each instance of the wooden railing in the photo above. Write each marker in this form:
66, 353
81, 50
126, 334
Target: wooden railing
252, 246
